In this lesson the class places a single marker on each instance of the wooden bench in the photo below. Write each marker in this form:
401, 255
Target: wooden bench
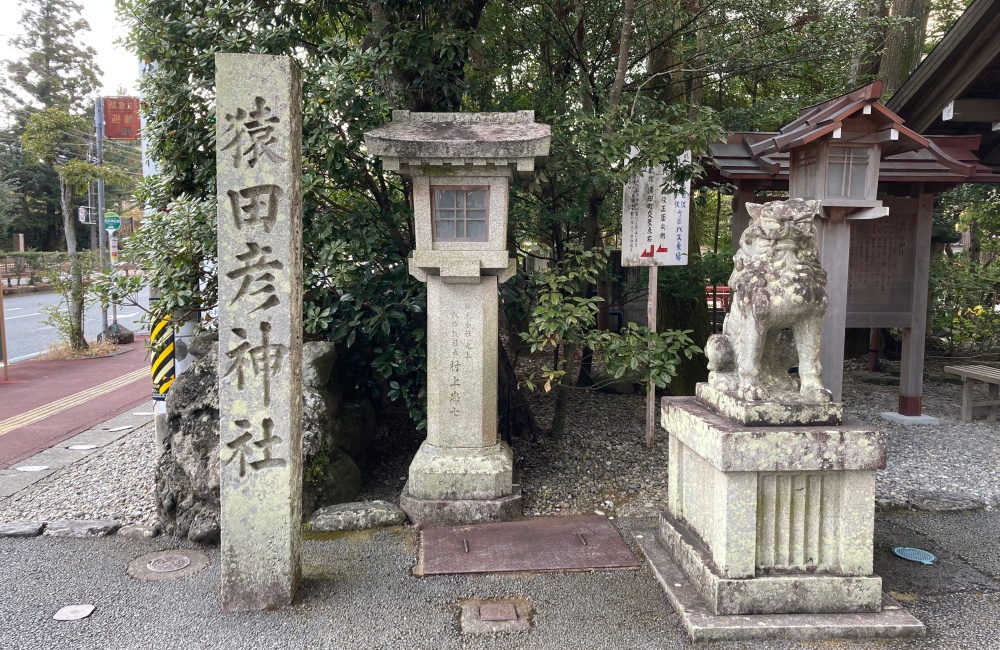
970, 375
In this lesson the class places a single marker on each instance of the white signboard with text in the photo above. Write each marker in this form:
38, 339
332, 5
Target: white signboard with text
655, 223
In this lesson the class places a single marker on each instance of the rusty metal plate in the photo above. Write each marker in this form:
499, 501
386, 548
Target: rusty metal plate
540, 544
497, 612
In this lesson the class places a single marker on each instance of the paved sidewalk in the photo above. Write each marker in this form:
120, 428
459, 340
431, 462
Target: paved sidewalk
46, 402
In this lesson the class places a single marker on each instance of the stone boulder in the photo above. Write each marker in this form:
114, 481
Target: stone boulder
356, 516
187, 474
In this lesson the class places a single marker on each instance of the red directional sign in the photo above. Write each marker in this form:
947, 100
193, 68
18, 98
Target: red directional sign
121, 118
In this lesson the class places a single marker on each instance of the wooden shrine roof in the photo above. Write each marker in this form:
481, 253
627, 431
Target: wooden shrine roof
945, 162
826, 119
963, 72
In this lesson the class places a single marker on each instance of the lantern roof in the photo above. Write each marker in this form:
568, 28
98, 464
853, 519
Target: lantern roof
460, 139
827, 121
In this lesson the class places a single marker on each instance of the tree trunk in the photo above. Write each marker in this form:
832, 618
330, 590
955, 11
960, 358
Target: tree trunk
589, 243
857, 342
76, 293
905, 45
516, 419
865, 58
685, 314
562, 393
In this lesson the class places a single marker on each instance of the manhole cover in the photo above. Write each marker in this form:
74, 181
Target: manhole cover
914, 554
81, 447
497, 612
32, 468
492, 616
168, 563
74, 612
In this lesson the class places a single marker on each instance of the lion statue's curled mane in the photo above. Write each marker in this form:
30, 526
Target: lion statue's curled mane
778, 301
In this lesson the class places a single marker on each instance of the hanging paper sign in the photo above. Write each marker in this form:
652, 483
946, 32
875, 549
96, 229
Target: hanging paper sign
655, 223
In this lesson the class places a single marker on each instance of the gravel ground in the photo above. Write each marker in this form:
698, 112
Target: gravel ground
600, 465
113, 483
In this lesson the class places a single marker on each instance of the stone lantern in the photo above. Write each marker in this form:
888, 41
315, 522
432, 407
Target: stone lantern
835, 149
834, 153
461, 166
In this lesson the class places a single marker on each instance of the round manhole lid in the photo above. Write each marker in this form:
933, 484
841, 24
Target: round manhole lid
914, 554
168, 563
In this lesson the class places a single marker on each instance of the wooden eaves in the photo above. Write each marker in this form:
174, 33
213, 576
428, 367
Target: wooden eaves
956, 89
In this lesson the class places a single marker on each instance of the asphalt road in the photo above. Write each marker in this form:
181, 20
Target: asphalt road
28, 335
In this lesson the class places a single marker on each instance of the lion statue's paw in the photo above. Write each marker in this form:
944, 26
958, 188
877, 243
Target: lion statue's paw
753, 391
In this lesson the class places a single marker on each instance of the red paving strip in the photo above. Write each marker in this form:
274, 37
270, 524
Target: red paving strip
35, 384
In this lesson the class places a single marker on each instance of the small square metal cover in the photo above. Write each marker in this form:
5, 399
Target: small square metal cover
74, 612
497, 612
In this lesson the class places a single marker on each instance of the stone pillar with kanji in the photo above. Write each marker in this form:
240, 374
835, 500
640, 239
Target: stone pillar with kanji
258, 149
461, 166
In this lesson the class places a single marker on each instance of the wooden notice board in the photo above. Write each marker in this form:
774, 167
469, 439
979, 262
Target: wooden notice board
881, 270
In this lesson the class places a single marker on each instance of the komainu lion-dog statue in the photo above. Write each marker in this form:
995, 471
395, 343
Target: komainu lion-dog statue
777, 285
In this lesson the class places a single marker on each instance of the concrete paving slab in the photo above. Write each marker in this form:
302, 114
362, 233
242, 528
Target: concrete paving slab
57, 457
950, 573
357, 592
100, 437
910, 420
13, 481
129, 417
969, 536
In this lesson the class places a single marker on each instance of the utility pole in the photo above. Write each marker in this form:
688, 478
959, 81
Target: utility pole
101, 242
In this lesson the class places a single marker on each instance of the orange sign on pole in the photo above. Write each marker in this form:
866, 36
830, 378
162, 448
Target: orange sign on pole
121, 118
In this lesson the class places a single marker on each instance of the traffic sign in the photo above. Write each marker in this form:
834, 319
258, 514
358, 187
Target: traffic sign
112, 221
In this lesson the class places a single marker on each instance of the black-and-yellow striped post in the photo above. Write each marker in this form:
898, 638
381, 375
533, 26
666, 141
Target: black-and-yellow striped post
161, 342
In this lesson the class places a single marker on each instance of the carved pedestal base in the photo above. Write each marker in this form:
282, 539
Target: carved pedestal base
776, 412
453, 512
459, 485
770, 520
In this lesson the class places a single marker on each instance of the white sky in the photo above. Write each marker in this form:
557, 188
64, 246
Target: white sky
119, 67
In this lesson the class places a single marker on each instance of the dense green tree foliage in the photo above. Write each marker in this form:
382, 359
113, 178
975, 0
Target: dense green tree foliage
54, 70
662, 76
50, 136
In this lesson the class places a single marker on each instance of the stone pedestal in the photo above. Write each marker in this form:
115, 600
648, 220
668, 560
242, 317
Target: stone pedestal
768, 521
462, 472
